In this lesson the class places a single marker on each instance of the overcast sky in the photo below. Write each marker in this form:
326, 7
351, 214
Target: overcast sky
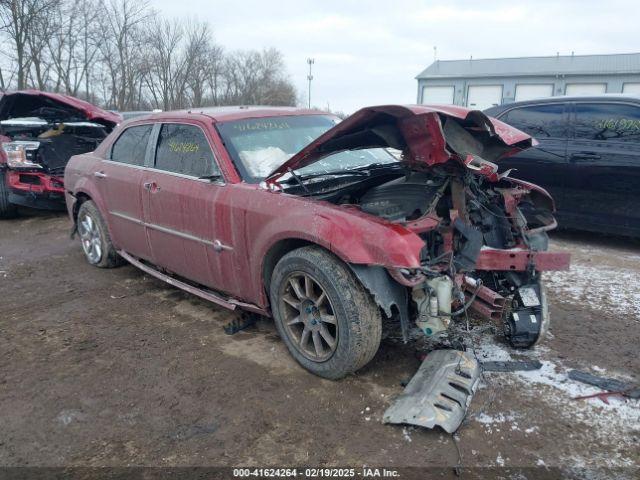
368, 53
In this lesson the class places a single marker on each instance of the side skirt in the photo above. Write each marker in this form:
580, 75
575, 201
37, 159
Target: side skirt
205, 294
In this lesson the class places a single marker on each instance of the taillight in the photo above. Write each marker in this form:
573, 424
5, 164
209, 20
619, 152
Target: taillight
21, 154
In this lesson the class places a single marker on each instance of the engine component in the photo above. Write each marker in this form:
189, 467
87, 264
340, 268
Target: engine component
433, 300
439, 393
401, 199
465, 258
524, 324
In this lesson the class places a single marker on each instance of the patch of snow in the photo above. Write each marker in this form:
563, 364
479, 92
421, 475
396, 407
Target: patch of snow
598, 287
613, 422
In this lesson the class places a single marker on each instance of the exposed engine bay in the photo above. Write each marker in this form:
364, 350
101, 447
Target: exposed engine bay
48, 145
472, 221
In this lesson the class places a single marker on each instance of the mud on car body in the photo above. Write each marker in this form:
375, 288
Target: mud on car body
39, 132
292, 214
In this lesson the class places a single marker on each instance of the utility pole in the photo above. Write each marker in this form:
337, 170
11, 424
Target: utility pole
310, 61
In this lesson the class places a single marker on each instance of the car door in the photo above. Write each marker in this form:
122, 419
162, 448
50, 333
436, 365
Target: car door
604, 167
118, 179
180, 205
546, 163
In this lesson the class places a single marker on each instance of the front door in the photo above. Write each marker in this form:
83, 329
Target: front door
119, 179
604, 167
179, 204
546, 163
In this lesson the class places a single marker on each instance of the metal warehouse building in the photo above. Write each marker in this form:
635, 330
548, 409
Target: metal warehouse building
485, 83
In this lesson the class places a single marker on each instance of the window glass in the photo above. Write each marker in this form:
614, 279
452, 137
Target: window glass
539, 121
184, 149
258, 146
131, 146
607, 121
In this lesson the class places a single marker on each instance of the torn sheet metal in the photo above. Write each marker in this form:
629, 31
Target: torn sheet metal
439, 393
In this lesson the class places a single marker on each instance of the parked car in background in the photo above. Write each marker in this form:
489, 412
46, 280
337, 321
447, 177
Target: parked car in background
39, 132
290, 214
588, 157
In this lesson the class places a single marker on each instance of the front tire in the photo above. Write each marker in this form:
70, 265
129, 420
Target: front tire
7, 209
325, 317
94, 235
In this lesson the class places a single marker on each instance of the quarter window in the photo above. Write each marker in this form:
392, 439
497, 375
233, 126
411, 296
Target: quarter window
184, 149
607, 121
131, 146
541, 121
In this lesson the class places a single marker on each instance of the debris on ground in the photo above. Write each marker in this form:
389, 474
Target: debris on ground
239, 323
511, 365
439, 393
613, 386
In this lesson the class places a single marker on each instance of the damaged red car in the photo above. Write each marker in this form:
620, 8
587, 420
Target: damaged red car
397, 214
39, 132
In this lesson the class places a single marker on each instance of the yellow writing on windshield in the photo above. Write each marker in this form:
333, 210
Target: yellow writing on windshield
262, 125
619, 124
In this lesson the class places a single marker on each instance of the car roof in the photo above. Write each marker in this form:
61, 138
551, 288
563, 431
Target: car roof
565, 98
226, 114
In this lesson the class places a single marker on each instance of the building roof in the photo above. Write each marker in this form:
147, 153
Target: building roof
623, 63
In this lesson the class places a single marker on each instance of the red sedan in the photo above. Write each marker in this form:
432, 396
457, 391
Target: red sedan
396, 214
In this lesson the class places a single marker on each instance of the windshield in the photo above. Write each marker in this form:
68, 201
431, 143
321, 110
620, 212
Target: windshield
260, 145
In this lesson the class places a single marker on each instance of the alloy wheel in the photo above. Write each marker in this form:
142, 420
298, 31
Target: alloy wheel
91, 239
308, 317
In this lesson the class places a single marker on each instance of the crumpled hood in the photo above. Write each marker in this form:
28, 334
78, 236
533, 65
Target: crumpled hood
427, 136
35, 103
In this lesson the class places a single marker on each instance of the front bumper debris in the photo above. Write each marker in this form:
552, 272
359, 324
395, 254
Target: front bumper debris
439, 393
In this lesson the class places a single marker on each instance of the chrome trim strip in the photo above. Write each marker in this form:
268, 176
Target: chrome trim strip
178, 233
171, 231
127, 217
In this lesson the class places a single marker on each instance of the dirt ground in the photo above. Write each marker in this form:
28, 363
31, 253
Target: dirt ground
114, 368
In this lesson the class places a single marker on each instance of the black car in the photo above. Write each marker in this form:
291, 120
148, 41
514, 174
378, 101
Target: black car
588, 158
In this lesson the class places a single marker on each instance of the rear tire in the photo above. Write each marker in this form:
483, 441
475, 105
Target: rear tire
94, 235
7, 210
326, 318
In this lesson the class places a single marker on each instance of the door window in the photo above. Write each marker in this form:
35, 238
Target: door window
184, 149
131, 146
540, 121
607, 121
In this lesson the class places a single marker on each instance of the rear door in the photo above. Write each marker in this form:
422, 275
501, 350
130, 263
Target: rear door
604, 167
119, 181
180, 206
545, 164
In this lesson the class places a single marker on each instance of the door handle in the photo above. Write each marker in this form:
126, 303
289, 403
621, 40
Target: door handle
99, 174
151, 187
585, 156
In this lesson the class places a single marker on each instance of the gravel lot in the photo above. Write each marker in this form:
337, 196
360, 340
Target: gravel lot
114, 368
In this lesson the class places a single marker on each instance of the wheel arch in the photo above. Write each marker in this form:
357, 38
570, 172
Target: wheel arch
278, 250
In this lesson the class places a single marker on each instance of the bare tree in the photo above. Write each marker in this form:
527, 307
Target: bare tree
17, 18
121, 45
122, 55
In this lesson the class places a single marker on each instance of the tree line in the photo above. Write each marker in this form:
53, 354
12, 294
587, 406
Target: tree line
123, 55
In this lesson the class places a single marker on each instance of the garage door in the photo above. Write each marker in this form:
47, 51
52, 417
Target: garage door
631, 88
586, 88
438, 95
480, 97
528, 92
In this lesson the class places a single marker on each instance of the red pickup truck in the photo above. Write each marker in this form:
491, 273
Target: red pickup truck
39, 132
396, 214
